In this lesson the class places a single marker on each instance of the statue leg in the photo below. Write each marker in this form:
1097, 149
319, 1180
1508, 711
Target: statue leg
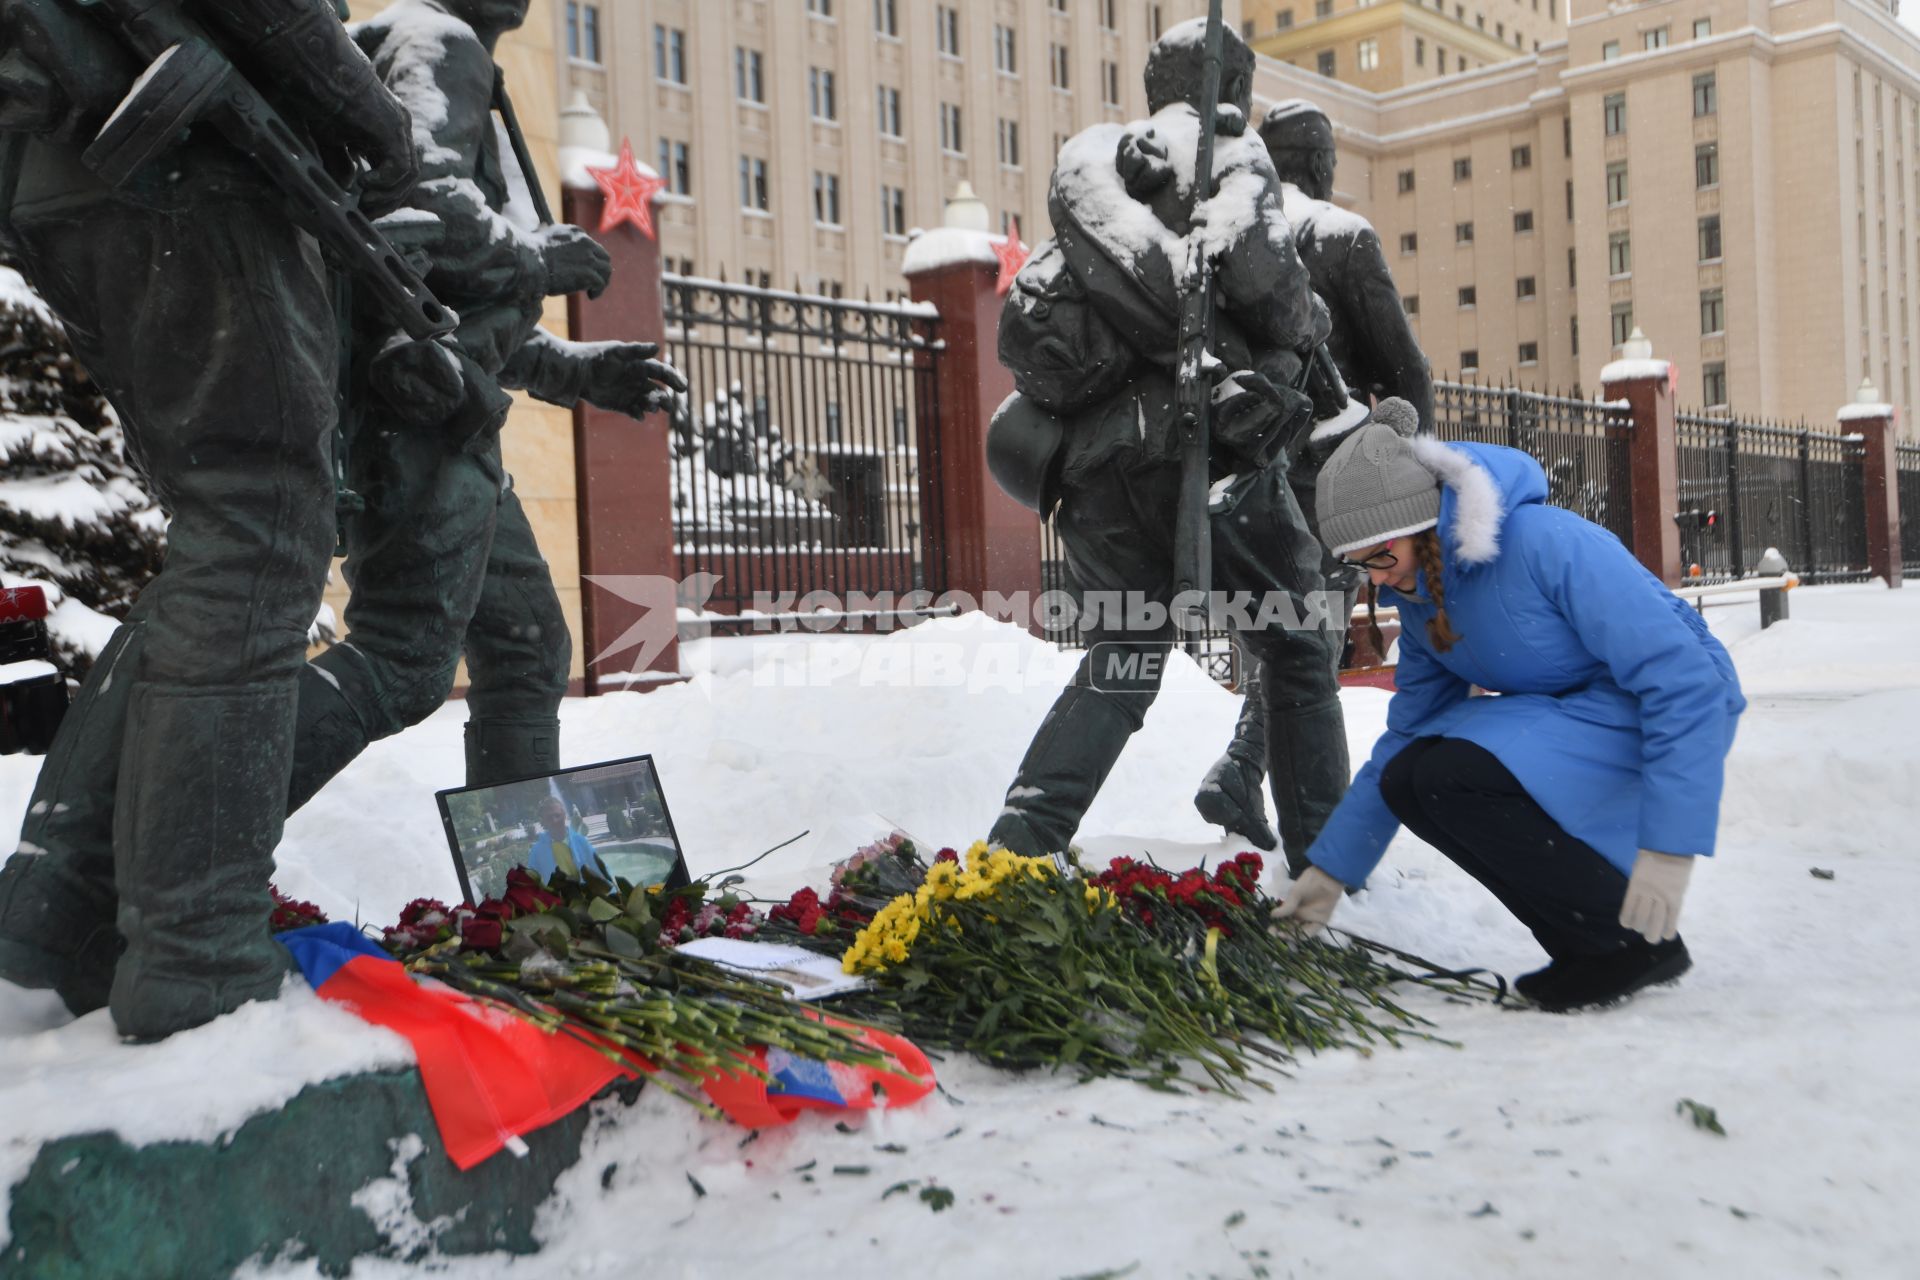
1232, 795
57, 896
519, 657
213, 335
416, 560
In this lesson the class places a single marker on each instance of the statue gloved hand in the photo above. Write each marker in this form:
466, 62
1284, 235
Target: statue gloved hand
575, 262
379, 130
627, 378
1255, 421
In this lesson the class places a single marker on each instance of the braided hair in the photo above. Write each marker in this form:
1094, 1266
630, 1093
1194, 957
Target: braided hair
1426, 552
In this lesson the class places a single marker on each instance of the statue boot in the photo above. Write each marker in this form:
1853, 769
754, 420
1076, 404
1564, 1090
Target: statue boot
1308, 768
328, 733
507, 748
57, 897
1232, 795
1065, 765
203, 782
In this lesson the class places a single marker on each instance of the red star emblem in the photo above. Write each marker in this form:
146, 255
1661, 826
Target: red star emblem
629, 193
1012, 254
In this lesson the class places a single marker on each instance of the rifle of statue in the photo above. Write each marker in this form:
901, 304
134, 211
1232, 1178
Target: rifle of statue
1192, 535
189, 79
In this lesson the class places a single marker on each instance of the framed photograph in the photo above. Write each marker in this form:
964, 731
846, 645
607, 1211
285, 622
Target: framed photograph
607, 818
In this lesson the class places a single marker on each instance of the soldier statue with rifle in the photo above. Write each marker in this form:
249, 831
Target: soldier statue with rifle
1166, 350
173, 215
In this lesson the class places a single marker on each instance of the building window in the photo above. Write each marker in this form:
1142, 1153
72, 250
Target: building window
1706, 165
749, 75
583, 31
669, 54
1405, 181
1654, 39
1322, 8
1529, 353
1463, 233
946, 30
820, 8
951, 140
1523, 157
1468, 297
1470, 361
1573, 333
753, 183
674, 167
893, 211
1569, 199
1617, 182
826, 198
1058, 60
1153, 22
1622, 319
887, 109
1367, 55
1710, 238
1523, 222
1619, 254
1412, 304
1324, 63
1005, 59
1713, 311
1108, 20
1462, 168
886, 17
1573, 274
1566, 136
1706, 95
821, 99
1713, 384
1110, 83
1613, 114
1058, 6
1609, 51
1524, 287
1409, 242
1419, 49
1010, 143
1702, 28
1007, 218
1440, 62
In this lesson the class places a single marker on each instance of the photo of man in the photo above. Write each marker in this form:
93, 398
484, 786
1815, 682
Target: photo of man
560, 848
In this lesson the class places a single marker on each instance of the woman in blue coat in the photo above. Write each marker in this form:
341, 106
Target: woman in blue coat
1582, 793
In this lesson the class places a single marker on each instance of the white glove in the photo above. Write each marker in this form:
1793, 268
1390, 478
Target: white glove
1311, 900
1654, 890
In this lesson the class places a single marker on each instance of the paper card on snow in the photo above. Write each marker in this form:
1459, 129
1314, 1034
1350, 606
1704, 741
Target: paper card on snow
807, 974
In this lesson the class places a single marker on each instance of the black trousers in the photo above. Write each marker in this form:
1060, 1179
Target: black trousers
1460, 799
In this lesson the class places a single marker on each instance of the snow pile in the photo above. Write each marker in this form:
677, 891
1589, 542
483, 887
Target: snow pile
1540, 1146
946, 247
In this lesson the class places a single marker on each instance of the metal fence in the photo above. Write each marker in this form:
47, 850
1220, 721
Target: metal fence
805, 454
1747, 486
1581, 444
1908, 459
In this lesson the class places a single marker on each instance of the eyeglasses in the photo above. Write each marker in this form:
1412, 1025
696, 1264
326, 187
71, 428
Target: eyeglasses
1382, 559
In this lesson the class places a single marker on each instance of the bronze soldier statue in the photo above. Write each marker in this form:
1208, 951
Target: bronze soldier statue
1090, 437
1378, 358
201, 308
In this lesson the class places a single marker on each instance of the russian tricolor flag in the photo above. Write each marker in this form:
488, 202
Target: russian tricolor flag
491, 1076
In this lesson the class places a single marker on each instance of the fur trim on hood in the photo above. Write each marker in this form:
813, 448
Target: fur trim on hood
1477, 506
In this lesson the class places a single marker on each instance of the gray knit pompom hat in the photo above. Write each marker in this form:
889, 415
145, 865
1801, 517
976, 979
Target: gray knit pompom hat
1373, 489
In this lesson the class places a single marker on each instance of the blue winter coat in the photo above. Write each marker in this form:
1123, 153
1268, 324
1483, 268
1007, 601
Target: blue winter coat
1617, 707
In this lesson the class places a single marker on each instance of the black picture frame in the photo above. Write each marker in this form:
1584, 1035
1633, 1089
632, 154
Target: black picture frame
648, 773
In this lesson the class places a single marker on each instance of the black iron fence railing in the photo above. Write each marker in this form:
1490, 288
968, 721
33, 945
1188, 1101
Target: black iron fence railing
1908, 458
1745, 486
1581, 444
805, 454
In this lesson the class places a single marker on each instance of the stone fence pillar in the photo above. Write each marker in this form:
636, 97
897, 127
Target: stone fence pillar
1646, 384
987, 541
622, 467
1877, 422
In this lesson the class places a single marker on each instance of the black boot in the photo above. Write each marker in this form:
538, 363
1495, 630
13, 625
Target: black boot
503, 749
1064, 767
1589, 982
203, 785
1308, 769
328, 734
1230, 795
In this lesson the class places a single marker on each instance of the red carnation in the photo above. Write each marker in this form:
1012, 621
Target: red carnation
526, 895
946, 855
480, 933
291, 913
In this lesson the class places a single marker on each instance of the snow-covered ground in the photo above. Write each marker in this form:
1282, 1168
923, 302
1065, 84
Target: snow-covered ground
1542, 1146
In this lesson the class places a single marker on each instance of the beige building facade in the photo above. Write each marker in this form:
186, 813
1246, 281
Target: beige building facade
1385, 44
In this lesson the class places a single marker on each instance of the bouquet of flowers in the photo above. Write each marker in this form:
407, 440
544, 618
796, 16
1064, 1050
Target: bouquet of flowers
1134, 972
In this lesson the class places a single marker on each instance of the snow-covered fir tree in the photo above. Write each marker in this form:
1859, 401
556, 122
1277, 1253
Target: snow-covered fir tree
75, 514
